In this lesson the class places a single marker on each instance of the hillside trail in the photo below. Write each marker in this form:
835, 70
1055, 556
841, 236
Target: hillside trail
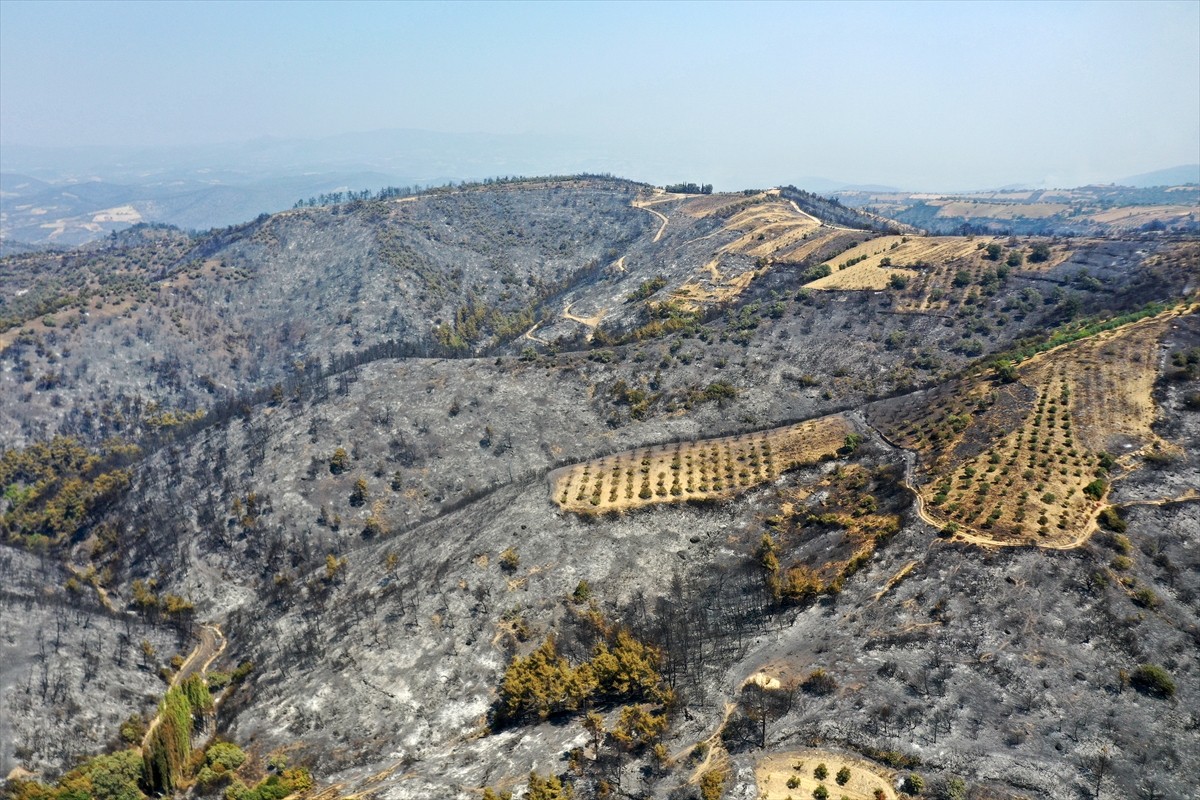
529, 334
212, 644
711, 741
645, 206
591, 321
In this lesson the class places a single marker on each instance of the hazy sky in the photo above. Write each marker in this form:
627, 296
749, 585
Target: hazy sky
914, 94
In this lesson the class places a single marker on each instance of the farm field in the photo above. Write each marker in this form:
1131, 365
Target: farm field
863, 267
768, 226
698, 470
1029, 462
790, 775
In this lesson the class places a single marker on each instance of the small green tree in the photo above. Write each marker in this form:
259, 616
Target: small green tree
993, 251
843, 776
821, 772
339, 462
548, 788
1039, 253
358, 497
821, 793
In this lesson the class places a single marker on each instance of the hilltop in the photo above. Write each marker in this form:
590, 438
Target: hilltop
654, 493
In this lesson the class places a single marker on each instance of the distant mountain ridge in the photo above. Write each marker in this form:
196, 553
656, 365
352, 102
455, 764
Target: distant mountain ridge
1171, 176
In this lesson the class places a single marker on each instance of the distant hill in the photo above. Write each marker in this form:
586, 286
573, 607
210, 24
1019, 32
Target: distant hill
74, 212
1172, 176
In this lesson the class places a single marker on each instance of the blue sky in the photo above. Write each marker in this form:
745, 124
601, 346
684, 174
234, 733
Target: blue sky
950, 95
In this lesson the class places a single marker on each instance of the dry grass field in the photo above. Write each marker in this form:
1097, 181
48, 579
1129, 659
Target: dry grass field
1027, 462
790, 775
1137, 216
700, 470
863, 267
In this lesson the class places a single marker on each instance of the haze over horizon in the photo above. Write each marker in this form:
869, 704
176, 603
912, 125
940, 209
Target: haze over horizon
914, 95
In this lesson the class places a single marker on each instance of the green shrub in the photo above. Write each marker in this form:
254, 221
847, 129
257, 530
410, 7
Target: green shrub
582, 593
1111, 520
1146, 598
1153, 680
820, 793
821, 772
914, 784
843, 776
712, 784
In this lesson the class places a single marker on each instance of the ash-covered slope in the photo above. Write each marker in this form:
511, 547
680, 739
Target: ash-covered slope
377, 541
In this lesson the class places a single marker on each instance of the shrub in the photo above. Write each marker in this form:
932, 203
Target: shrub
821, 772
582, 593
712, 784
646, 289
898, 280
843, 776
914, 783
821, 793
822, 683
510, 560
1146, 598
1096, 489
1111, 520
1153, 680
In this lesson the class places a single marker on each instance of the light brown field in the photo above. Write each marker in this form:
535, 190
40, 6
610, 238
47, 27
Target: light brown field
902, 250
968, 210
1136, 216
773, 773
699, 470
1008, 463
767, 227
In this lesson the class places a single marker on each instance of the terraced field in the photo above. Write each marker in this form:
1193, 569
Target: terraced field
698, 470
872, 264
1028, 462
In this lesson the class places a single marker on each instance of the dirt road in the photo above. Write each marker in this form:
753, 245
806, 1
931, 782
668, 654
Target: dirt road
212, 644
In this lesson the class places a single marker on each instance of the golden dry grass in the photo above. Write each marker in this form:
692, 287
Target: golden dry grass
869, 273
699, 470
773, 773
